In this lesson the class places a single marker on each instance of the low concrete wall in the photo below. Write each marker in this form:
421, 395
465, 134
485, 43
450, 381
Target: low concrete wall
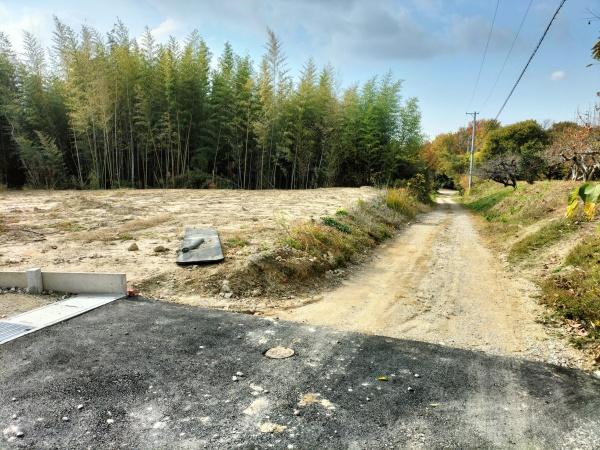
71, 282
13, 280
85, 283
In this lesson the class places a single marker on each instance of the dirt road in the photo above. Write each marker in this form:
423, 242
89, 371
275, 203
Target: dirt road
438, 283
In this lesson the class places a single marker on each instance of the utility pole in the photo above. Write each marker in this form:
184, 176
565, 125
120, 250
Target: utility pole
474, 114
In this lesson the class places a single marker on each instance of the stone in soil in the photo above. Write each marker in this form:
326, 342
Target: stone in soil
225, 288
279, 353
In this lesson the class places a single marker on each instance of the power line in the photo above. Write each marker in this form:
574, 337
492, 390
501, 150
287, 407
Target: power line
509, 53
487, 44
531, 57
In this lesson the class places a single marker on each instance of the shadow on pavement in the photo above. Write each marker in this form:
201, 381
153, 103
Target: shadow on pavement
147, 374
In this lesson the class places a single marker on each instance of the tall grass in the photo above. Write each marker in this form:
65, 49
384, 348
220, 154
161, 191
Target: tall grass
401, 201
353, 231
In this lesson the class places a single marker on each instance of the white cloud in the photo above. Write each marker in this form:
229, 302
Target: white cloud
349, 29
166, 28
558, 75
13, 22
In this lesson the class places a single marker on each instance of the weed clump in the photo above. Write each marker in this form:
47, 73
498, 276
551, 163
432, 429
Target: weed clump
401, 201
333, 223
237, 241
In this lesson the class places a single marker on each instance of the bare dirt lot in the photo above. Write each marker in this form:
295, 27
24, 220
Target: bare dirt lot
93, 230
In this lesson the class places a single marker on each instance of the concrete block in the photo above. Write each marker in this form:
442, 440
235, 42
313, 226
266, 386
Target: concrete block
85, 283
34, 281
13, 279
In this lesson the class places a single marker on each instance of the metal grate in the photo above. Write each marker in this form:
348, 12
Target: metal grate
10, 331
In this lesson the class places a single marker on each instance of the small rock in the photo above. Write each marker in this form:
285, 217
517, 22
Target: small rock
20, 434
417, 375
269, 427
596, 374
234, 378
239, 374
225, 287
65, 419
14, 399
410, 389
14, 416
80, 407
134, 247
53, 247
109, 421
160, 249
228, 295
279, 353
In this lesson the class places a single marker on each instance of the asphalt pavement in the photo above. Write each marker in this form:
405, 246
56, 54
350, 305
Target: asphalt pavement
147, 374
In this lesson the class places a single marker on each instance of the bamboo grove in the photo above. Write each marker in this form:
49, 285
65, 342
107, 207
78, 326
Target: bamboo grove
107, 111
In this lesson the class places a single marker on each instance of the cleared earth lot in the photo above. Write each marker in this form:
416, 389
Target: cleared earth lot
94, 230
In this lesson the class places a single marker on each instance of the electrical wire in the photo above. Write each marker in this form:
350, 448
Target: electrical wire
512, 46
487, 45
531, 57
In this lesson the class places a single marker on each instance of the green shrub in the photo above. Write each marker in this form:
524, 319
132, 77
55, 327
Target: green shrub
420, 187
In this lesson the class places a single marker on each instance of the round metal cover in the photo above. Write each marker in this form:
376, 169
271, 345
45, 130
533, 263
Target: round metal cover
279, 353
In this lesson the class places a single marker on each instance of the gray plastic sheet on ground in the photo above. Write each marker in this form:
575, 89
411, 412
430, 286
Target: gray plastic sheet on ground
200, 246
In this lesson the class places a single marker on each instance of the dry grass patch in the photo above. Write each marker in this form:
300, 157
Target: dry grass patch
574, 291
402, 201
236, 242
308, 249
66, 226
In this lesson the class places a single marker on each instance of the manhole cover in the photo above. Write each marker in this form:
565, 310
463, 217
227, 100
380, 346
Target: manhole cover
279, 353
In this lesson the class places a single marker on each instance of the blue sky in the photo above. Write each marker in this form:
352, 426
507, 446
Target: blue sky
435, 46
